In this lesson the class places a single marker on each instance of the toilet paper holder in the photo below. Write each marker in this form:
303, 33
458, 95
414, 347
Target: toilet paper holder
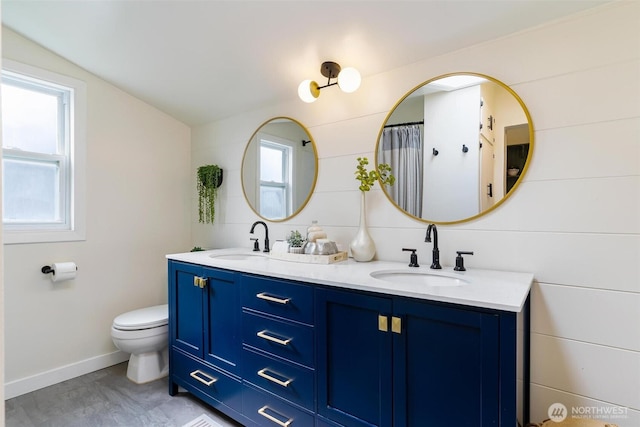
46, 269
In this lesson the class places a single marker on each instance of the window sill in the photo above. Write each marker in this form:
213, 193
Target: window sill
25, 237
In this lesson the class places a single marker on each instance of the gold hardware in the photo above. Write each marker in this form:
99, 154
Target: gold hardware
208, 381
263, 374
263, 411
264, 296
396, 325
383, 323
264, 335
200, 282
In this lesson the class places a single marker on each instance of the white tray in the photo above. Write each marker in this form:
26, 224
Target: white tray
311, 259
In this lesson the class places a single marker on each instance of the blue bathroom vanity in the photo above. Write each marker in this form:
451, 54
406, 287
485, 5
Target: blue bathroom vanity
277, 343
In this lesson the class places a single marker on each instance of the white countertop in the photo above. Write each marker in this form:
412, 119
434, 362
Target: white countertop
501, 290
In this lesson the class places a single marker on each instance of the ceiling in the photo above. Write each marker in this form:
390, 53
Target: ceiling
204, 60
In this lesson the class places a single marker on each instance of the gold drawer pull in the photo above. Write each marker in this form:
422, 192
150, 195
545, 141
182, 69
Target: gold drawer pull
208, 381
264, 296
263, 411
263, 374
264, 335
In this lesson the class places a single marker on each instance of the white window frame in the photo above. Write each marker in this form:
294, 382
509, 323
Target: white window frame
73, 227
286, 147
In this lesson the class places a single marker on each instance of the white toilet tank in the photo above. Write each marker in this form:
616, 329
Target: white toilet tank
144, 318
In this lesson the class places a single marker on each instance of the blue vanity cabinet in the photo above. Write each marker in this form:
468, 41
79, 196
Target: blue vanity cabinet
393, 361
274, 352
205, 334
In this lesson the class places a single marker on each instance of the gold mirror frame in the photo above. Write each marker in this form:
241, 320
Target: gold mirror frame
520, 175
309, 140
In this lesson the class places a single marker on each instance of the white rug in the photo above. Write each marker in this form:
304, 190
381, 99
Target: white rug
202, 421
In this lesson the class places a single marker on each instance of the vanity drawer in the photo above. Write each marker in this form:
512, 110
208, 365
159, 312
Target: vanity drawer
323, 422
292, 341
267, 410
289, 381
278, 298
210, 381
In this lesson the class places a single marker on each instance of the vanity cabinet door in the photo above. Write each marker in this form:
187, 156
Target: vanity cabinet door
222, 319
186, 308
354, 358
446, 366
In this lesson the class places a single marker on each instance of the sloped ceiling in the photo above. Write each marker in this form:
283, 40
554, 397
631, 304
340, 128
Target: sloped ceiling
200, 61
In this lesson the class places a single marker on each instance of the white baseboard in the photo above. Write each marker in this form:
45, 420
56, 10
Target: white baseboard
35, 382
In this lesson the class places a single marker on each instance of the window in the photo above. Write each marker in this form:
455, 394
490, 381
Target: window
43, 118
275, 178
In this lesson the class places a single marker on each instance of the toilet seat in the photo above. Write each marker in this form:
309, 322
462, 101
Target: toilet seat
144, 318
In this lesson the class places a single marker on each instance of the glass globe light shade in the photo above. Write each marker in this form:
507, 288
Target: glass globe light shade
349, 79
308, 91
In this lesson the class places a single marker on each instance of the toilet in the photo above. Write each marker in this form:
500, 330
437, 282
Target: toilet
144, 333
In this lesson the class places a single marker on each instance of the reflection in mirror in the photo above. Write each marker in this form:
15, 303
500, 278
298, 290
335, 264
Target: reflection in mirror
458, 145
279, 169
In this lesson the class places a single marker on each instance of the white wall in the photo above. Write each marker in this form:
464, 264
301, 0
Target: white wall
574, 221
138, 209
2, 410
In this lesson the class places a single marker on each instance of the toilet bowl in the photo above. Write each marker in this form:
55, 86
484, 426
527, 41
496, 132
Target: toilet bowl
144, 333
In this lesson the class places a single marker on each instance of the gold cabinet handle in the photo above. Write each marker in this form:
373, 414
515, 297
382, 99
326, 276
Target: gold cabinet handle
263, 374
383, 323
266, 297
264, 335
208, 380
263, 411
200, 282
396, 325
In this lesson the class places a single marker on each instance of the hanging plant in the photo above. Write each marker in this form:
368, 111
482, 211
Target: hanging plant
209, 179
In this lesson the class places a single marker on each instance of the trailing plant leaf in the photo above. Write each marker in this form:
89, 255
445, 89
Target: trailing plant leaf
209, 179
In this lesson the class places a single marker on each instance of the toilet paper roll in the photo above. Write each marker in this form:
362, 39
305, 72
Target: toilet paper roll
63, 271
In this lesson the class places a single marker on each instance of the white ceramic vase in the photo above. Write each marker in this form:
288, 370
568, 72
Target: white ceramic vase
362, 246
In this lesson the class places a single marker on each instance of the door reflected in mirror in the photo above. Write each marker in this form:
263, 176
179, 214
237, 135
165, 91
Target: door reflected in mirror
458, 145
279, 169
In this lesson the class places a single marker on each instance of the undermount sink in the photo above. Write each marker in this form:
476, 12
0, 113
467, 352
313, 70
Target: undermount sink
238, 257
418, 277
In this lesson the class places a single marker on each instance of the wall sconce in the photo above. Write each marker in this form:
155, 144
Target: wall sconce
348, 80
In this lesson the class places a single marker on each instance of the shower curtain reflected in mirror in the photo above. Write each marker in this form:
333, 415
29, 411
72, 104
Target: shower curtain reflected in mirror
401, 148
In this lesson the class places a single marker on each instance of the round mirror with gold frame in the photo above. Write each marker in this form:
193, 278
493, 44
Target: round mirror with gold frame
458, 145
279, 169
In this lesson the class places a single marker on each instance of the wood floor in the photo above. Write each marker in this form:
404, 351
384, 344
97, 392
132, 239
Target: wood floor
106, 398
